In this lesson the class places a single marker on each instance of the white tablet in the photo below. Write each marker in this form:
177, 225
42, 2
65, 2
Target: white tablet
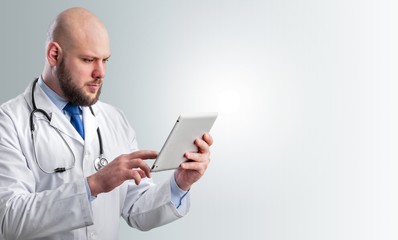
180, 140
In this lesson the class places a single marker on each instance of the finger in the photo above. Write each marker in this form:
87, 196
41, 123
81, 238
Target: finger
208, 139
197, 157
203, 147
139, 164
134, 174
143, 154
142, 173
196, 166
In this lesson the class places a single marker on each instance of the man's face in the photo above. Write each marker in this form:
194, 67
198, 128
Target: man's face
77, 92
81, 70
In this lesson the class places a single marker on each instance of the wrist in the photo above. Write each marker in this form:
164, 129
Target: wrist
93, 186
180, 183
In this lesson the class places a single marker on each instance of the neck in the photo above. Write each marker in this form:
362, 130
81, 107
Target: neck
51, 81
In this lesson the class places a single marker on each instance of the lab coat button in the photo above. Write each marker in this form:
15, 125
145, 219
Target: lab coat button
92, 236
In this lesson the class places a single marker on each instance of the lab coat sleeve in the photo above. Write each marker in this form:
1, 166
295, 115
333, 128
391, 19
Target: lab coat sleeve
149, 205
26, 214
152, 208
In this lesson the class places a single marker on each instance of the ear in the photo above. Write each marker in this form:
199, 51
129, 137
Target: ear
54, 53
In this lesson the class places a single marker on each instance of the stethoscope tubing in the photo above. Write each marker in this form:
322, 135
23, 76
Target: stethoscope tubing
98, 163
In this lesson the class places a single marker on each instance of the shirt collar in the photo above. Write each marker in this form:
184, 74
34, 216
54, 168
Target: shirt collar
54, 97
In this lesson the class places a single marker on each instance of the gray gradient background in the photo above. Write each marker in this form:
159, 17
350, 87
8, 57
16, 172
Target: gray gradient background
312, 151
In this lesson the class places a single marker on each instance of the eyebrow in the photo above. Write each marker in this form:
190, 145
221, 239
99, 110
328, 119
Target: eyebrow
94, 57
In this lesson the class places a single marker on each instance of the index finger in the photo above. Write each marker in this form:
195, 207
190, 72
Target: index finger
143, 154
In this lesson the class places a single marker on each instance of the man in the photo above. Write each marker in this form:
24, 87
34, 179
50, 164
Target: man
50, 135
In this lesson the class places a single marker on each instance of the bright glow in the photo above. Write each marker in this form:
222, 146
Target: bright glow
228, 101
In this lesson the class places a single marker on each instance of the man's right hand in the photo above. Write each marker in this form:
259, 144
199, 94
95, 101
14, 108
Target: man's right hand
125, 167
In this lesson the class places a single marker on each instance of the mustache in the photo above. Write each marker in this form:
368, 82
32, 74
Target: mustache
96, 81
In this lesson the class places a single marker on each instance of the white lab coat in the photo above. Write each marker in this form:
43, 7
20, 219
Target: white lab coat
37, 205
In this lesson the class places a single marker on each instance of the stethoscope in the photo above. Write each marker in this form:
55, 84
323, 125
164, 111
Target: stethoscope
99, 162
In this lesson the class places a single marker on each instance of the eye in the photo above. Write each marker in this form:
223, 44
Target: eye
88, 60
106, 60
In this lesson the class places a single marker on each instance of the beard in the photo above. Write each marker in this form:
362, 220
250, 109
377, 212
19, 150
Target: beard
71, 91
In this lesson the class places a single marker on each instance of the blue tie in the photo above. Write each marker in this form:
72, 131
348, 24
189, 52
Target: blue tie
76, 121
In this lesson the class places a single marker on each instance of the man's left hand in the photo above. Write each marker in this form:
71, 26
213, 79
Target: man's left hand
191, 171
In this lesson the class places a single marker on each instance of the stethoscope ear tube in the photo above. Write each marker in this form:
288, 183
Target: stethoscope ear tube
35, 109
99, 138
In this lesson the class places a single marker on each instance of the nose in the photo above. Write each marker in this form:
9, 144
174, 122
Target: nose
99, 70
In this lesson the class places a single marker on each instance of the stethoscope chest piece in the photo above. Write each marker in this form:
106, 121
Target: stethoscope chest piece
100, 162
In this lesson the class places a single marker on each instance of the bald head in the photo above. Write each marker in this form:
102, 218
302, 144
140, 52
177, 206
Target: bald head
77, 52
75, 25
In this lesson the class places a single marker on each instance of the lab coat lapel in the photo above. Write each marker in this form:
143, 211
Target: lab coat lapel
90, 126
58, 119
60, 122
